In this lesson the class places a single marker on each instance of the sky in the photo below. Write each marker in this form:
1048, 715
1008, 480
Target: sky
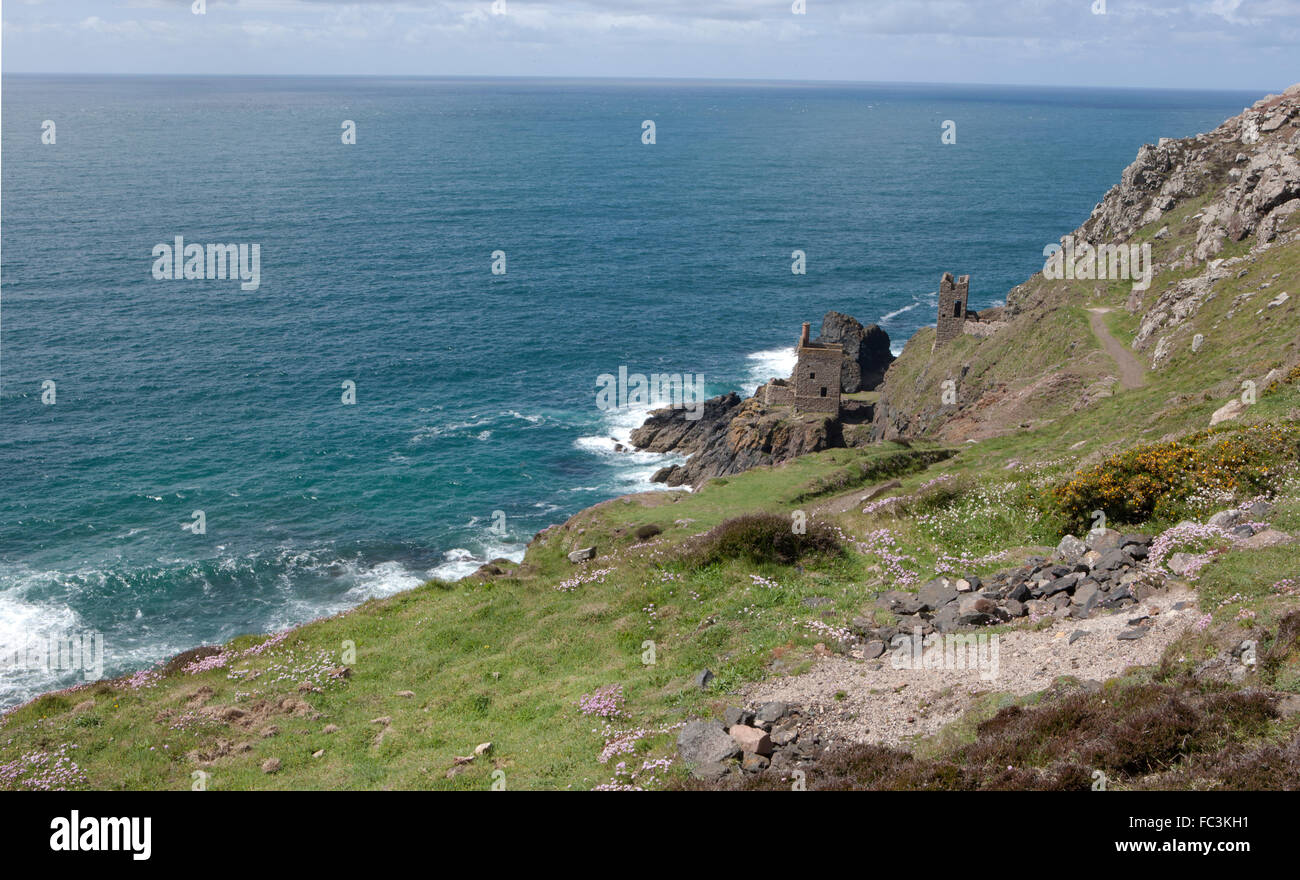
1199, 44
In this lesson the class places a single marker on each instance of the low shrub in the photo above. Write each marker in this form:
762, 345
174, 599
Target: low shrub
648, 531
859, 473
762, 538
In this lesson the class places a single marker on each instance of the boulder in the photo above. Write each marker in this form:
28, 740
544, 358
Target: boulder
935, 594
736, 715
770, 713
751, 739
1113, 560
1227, 519
1229, 411
704, 743
946, 620
1070, 550
1104, 540
582, 555
1181, 563
1266, 538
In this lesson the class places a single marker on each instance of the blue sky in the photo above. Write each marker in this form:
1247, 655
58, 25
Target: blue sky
1229, 44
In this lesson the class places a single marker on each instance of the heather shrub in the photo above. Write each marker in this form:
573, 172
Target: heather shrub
762, 538
1285, 644
648, 531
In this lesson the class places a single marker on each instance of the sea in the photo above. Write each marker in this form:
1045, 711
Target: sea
445, 270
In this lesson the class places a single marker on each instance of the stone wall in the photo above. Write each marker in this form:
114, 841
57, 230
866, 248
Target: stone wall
778, 393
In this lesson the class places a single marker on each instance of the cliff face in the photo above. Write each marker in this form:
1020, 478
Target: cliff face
1217, 211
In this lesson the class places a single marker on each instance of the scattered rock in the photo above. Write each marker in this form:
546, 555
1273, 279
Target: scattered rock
770, 713
582, 555
1267, 538
1229, 411
734, 715
1070, 549
705, 743
751, 739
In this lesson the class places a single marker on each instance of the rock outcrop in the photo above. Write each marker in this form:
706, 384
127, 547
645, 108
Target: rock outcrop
866, 351
752, 436
669, 430
1254, 151
749, 741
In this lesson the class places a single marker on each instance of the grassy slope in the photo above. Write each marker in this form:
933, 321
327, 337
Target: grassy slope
506, 660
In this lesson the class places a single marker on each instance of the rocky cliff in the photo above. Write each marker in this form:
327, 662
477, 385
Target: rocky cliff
1220, 213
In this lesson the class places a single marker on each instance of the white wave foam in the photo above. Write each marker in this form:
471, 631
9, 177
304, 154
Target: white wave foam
889, 316
773, 363
24, 625
460, 562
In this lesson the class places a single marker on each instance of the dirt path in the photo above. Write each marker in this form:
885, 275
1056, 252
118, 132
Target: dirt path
873, 701
1131, 372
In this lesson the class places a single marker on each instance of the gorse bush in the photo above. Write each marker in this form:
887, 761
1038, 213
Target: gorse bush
1157, 481
762, 538
1291, 378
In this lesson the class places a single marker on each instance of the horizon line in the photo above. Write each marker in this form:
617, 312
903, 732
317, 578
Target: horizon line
647, 79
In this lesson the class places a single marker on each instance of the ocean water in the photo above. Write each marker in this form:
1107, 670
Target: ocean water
475, 422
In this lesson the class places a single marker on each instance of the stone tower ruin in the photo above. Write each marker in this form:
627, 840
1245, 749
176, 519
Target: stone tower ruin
952, 308
817, 376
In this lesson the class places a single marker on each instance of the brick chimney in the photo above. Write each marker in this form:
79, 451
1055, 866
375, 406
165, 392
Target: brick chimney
803, 337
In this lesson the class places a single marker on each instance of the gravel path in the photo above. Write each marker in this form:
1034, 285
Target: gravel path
1131, 372
885, 705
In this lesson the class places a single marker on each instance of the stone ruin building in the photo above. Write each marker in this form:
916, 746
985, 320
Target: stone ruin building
956, 317
952, 308
815, 385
